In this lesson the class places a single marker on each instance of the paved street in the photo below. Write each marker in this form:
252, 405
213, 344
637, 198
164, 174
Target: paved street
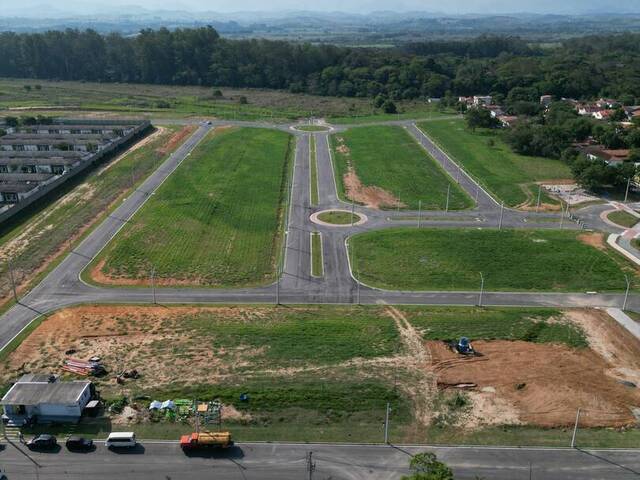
264, 461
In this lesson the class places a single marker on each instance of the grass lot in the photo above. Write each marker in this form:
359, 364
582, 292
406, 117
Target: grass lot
217, 220
337, 217
509, 176
444, 259
410, 112
313, 171
176, 101
622, 218
526, 324
389, 158
41, 234
317, 261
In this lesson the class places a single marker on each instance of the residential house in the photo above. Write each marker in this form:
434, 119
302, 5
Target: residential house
482, 100
45, 399
546, 100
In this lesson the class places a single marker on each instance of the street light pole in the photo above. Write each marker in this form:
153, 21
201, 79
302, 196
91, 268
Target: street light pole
539, 194
13, 280
481, 289
446, 209
386, 424
575, 430
626, 194
626, 294
501, 215
419, 213
153, 283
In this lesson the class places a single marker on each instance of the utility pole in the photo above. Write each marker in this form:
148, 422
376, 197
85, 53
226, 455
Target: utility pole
13, 280
481, 289
477, 191
398, 204
279, 274
458, 175
419, 213
626, 294
501, 215
575, 430
626, 194
561, 215
311, 465
446, 209
539, 194
386, 424
153, 283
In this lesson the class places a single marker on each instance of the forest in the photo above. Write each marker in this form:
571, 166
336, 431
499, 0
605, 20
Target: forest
581, 68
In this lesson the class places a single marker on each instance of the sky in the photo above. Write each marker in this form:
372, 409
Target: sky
81, 7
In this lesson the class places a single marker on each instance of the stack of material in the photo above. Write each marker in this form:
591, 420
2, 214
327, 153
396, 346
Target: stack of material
81, 367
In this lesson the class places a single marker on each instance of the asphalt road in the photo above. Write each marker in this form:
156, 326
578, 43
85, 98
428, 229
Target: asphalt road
265, 461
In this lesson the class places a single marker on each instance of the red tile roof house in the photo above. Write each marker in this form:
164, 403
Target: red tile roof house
603, 114
587, 110
600, 152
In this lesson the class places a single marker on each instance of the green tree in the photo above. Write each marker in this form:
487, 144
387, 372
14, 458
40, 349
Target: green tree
426, 466
480, 118
389, 107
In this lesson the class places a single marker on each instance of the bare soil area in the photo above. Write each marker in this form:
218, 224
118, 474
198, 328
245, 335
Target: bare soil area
545, 384
372, 196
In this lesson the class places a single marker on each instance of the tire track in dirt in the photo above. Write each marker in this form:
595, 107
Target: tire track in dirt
419, 363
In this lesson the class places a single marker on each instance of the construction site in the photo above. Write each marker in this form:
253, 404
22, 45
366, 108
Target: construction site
199, 366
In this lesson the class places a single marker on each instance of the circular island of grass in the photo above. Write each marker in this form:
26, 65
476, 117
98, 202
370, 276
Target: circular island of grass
312, 128
338, 218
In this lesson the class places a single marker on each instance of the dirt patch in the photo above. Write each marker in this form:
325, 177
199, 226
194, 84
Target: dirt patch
595, 240
100, 275
176, 139
614, 343
540, 384
145, 141
372, 197
147, 339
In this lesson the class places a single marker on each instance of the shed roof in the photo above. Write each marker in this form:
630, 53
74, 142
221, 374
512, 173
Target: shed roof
24, 177
38, 161
29, 393
17, 187
42, 154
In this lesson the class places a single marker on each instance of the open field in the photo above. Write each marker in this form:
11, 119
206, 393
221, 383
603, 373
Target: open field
40, 235
511, 260
384, 167
508, 176
178, 101
326, 372
622, 218
216, 221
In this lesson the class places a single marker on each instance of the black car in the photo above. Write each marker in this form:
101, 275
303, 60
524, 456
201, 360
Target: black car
79, 443
42, 442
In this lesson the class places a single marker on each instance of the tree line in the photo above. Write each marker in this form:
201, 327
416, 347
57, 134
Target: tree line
199, 56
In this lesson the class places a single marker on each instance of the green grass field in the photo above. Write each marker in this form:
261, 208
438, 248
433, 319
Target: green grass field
217, 220
537, 325
389, 158
168, 101
622, 218
446, 259
509, 176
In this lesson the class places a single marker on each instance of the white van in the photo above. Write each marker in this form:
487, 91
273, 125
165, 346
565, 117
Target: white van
121, 440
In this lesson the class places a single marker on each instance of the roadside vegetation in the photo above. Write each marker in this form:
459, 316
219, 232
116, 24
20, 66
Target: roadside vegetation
339, 217
317, 259
38, 237
216, 221
385, 167
313, 172
445, 259
509, 176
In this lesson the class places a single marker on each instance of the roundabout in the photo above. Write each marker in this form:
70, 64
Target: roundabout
338, 218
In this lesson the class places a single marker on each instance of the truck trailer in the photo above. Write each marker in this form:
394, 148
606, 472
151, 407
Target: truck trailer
206, 440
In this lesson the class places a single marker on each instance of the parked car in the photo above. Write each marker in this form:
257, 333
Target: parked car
42, 442
121, 440
79, 443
